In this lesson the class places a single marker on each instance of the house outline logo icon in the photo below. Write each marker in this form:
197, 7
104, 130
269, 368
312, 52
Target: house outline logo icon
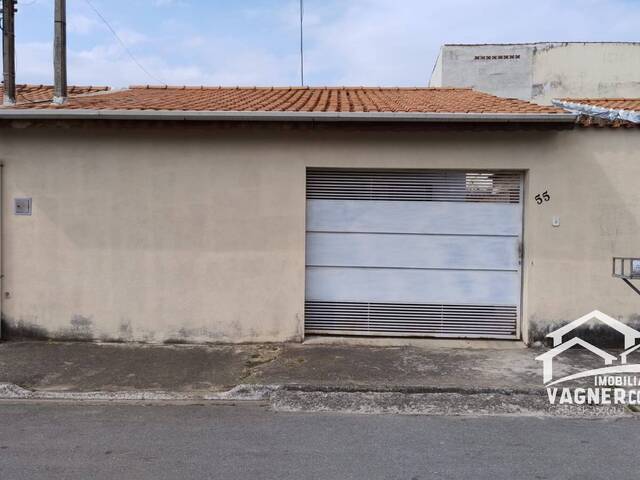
630, 338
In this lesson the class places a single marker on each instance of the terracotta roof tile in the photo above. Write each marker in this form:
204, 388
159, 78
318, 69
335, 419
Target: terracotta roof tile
26, 93
613, 103
299, 99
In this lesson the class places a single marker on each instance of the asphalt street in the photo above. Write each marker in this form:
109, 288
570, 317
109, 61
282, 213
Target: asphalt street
71, 441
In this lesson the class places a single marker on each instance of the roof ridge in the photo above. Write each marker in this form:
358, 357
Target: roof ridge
92, 87
44, 85
106, 91
292, 87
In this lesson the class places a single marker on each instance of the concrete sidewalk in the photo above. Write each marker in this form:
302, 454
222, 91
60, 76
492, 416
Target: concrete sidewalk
183, 368
311, 373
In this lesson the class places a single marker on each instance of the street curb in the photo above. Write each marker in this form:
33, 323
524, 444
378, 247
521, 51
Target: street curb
409, 389
249, 392
10, 391
359, 399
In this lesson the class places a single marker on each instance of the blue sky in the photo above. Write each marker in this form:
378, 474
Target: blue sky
255, 42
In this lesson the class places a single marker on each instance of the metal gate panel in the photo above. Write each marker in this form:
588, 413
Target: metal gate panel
423, 253
412, 251
411, 285
416, 217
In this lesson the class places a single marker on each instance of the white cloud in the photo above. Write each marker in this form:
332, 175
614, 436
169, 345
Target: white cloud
109, 64
167, 3
34, 62
82, 24
131, 37
194, 41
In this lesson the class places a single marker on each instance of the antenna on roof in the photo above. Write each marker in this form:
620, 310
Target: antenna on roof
301, 43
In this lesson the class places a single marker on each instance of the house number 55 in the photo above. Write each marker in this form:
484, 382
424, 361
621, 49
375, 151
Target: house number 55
544, 197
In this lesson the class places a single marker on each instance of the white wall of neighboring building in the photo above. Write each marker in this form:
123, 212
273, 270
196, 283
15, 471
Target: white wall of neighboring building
436, 73
539, 72
470, 66
595, 70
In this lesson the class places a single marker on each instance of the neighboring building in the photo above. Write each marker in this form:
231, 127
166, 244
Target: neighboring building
541, 72
255, 214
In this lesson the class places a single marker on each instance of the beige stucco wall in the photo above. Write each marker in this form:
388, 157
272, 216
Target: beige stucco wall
198, 235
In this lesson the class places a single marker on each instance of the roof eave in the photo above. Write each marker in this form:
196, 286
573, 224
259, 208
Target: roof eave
190, 115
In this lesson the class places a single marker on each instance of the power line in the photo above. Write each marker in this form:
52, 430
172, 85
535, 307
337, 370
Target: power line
124, 46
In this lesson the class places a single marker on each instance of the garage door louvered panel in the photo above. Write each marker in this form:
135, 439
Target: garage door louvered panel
411, 319
426, 185
421, 253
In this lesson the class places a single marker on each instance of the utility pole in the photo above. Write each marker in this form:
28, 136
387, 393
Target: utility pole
9, 52
301, 43
60, 53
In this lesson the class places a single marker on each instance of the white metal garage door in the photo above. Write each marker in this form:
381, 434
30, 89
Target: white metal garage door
413, 253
